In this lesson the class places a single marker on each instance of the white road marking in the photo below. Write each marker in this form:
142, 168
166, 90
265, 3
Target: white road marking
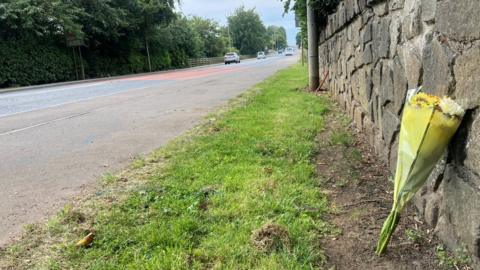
43, 124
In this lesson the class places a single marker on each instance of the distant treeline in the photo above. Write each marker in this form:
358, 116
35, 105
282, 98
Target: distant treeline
41, 40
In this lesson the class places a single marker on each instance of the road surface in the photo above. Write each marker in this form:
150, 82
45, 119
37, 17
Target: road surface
55, 142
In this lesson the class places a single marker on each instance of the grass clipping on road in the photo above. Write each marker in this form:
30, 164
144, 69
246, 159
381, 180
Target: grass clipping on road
240, 192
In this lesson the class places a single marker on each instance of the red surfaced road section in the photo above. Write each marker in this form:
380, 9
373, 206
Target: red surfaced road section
186, 74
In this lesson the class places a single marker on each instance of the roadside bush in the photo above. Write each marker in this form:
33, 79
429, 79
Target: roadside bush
161, 60
98, 65
137, 63
30, 61
179, 58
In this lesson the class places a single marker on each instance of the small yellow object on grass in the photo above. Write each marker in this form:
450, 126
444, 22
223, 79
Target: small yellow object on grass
428, 124
86, 241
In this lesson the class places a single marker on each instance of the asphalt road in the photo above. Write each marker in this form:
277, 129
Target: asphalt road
55, 142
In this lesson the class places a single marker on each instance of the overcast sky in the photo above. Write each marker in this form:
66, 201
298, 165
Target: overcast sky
270, 11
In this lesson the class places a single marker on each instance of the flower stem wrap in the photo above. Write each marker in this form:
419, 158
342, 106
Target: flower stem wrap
428, 124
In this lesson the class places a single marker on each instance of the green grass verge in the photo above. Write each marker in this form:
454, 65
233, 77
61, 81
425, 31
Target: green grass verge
198, 209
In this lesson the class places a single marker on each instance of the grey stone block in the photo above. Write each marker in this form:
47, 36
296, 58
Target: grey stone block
371, 109
356, 26
459, 221
339, 47
336, 21
350, 66
390, 124
435, 179
376, 92
367, 15
381, 9
354, 81
362, 4
429, 8
344, 68
380, 147
432, 208
381, 38
377, 107
410, 5
356, 8
363, 92
413, 66
341, 15
367, 33
412, 24
349, 50
339, 68
472, 152
458, 19
467, 76
368, 84
358, 57
358, 115
367, 54
395, 4
349, 7
369, 130
395, 33
437, 70
393, 153
330, 25
376, 75
386, 88
399, 85
349, 33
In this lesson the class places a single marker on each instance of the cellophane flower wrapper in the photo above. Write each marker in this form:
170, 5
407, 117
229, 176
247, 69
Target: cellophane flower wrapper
428, 124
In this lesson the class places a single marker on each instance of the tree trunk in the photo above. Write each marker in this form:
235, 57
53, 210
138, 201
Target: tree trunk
148, 54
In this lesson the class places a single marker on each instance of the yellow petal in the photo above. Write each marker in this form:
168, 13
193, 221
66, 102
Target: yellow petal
87, 240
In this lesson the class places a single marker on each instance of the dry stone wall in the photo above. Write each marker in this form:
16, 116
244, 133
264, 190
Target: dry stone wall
373, 51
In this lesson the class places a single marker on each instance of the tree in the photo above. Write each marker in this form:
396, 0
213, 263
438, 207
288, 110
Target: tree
298, 39
277, 37
118, 37
154, 13
104, 21
213, 42
247, 31
322, 7
39, 17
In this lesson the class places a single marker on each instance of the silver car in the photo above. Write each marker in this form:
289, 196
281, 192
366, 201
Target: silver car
261, 55
231, 57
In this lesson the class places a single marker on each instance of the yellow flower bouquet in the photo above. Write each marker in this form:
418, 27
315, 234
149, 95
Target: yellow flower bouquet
428, 124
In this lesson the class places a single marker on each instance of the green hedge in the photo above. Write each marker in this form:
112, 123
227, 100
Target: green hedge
23, 62
31, 61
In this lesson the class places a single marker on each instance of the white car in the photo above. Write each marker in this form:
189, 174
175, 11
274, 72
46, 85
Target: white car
231, 57
289, 52
261, 55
